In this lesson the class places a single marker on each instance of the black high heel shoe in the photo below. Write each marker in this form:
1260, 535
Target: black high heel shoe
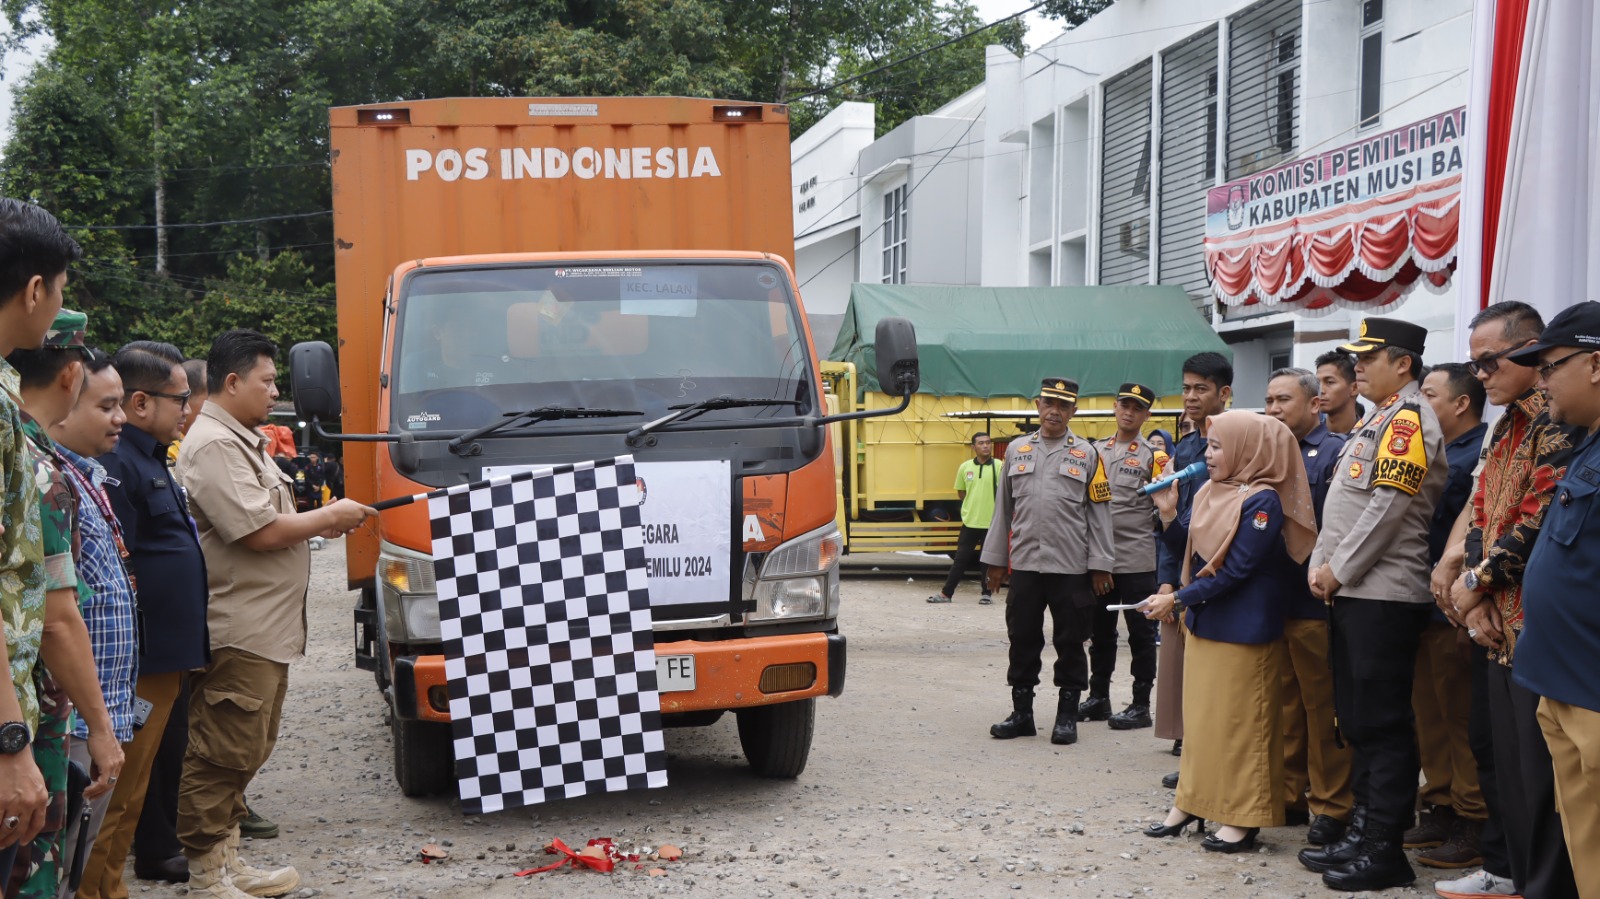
1215, 843
1172, 830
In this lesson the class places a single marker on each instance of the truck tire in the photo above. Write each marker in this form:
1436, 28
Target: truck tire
777, 738
424, 762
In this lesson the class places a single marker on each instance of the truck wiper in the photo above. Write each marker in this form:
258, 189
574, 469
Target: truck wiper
466, 444
690, 410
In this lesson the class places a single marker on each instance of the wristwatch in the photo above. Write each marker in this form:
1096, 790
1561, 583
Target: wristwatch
14, 737
1475, 582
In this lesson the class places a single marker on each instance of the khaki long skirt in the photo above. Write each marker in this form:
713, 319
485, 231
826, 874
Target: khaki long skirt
1232, 766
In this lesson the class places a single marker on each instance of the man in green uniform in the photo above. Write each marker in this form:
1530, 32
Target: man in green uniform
51, 379
977, 482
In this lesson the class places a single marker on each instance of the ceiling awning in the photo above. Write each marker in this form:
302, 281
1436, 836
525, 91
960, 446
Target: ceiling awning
1361, 224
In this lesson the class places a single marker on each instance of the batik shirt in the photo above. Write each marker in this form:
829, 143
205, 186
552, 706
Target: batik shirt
21, 549
1527, 455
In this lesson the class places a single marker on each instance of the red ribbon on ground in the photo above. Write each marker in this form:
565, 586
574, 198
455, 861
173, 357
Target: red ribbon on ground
603, 864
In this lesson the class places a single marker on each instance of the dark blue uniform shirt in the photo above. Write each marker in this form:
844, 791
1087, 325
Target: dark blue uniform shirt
1561, 620
164, 554
1244, 601
1191, 449
1320, 450
1462, 455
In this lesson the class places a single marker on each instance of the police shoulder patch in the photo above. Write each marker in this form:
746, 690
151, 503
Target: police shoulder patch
1402, 460
1099, 486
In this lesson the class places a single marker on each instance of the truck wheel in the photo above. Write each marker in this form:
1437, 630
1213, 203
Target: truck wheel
424, 761
777, 738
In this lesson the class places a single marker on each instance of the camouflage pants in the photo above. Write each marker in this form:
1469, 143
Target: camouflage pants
37, 871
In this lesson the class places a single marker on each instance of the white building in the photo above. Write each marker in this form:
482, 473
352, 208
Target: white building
1100, 148
859, 200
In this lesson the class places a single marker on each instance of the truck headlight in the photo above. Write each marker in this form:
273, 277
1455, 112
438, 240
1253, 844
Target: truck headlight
800, 579
410, 599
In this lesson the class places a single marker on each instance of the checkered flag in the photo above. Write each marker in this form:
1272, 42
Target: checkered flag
545, 614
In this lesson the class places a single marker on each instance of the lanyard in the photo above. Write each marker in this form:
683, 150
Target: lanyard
85, 485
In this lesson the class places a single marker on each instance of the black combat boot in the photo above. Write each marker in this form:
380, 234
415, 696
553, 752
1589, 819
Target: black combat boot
1095, 708
1381, 864
1066, 729
1020, 724
1137, 714
1341, 851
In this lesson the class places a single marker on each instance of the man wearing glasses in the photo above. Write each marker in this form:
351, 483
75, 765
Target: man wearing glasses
1527, 455
169, 575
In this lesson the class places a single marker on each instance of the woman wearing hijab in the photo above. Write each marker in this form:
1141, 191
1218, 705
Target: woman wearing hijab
1162, 443
1243, 543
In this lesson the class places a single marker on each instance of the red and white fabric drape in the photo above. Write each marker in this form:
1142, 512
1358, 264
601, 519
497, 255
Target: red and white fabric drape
1370, 252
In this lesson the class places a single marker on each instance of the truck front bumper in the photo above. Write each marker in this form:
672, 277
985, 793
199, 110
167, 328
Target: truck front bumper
729, 674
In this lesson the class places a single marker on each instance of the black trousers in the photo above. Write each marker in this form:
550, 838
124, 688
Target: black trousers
155, 839
1070, 599
968, 546
1540, 865
1374, 660
1130, 588
1480, 735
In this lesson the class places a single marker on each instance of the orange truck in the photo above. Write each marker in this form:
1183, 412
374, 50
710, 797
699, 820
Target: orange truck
529, 282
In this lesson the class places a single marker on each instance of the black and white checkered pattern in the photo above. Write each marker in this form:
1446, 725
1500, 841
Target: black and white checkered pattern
545, 614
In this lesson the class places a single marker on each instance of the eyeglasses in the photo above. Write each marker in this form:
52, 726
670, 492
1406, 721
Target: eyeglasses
180, 397
1490, 364
1546, 369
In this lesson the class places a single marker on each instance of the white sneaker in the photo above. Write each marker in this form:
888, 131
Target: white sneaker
1478, 883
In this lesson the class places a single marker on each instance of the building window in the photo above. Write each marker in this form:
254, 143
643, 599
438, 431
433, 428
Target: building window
1371, 83
894, 236
1284, 72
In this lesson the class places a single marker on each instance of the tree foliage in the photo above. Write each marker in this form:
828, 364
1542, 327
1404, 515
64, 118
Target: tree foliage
1073, 12
219, 109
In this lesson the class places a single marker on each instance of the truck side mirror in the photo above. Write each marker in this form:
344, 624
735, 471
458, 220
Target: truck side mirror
895, 351
314, 376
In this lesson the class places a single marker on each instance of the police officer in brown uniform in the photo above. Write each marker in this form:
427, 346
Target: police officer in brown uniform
1371, 565
1052, 527
1130, 463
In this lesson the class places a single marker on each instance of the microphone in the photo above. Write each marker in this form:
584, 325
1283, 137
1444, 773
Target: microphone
1193, 469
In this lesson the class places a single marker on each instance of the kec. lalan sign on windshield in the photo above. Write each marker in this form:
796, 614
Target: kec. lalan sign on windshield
519, 163
683, 509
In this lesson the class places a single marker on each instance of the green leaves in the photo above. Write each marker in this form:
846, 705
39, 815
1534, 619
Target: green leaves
217, 111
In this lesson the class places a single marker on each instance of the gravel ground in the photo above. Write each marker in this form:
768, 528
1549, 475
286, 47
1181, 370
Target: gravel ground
905, 795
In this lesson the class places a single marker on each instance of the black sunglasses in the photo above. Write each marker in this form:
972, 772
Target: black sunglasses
1490, 364
180, 397
1548, 368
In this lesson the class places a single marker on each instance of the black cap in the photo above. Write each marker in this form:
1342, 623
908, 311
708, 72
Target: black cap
1577, 325
1377, 333
1138, 392
1060, 389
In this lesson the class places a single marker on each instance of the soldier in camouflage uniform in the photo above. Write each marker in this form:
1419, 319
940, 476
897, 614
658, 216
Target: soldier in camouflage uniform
51, 379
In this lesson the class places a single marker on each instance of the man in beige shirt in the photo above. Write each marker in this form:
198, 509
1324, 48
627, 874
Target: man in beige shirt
258, 568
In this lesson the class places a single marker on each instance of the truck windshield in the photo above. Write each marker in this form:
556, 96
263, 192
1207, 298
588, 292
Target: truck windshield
474, 343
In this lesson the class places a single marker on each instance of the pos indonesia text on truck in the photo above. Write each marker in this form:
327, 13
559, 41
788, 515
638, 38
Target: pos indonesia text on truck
528, 282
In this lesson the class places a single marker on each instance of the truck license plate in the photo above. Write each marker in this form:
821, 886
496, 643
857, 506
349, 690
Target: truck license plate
674, 674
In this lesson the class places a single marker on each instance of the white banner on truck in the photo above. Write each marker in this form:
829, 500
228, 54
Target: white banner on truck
684, 510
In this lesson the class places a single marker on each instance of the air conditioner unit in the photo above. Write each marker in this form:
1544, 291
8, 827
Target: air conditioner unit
1133, 238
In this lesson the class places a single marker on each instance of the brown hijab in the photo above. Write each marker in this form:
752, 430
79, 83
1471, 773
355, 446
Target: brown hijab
1258, 453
